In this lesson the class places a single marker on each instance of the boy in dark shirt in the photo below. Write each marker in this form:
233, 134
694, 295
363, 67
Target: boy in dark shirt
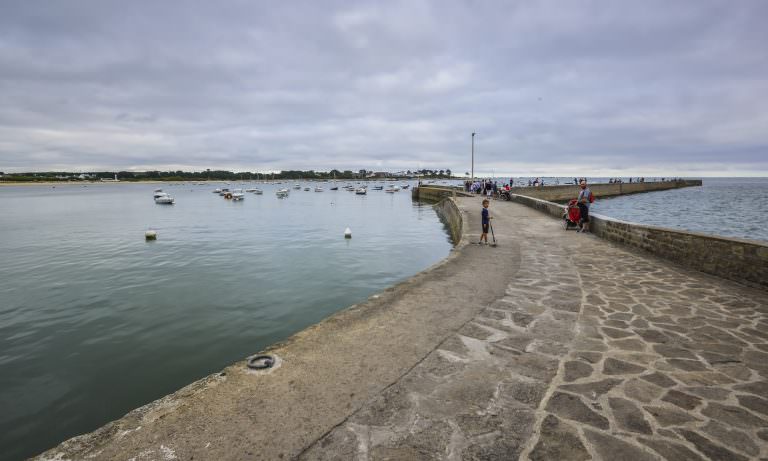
486, 221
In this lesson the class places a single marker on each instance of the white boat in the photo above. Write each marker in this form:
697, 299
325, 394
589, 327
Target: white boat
318, 189
378, 187
297, 186
390, 190
405, 186
251, 190
217, 191
258, 191
158, 193
164, 199
361, 191
238, 195
282, 193
396, 188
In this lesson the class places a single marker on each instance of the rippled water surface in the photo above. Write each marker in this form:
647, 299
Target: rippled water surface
94, 321
733, 207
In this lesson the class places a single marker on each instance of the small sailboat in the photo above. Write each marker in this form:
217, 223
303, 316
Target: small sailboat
282, 193
158, 193
238, 195
258, 191
361, 191
318, 189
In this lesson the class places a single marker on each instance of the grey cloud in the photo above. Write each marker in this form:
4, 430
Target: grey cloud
557, 87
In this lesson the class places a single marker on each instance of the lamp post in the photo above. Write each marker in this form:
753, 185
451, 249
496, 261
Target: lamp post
473, 157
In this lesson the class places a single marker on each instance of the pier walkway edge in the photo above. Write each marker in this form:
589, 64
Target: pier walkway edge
553, 345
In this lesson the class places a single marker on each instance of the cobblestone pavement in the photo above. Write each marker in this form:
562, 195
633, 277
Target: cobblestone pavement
595, 352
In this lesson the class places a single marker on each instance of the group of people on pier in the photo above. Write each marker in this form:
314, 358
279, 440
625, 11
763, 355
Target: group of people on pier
584, 199
619, 180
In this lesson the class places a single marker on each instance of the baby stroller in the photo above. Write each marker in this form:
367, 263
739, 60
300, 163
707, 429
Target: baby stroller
572, 215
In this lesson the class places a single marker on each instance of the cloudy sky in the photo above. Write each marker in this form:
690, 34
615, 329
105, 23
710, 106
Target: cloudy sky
551, 87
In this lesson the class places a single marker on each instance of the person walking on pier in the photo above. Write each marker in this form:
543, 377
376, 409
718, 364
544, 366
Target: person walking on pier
486, 221
584, 199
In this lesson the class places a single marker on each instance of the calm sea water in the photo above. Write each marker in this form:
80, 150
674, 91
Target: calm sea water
733, 207
94, 321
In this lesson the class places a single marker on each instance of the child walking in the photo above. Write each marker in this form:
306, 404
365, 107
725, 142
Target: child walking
486, 221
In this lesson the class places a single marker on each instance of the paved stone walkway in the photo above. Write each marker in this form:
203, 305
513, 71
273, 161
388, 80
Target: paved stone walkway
595, 352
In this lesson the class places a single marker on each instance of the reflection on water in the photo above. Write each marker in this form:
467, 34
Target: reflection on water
94, 321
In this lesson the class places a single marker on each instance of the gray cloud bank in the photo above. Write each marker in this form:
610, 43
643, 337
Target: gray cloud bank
551, 87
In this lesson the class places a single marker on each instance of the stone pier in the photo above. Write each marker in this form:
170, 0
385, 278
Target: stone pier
551, 346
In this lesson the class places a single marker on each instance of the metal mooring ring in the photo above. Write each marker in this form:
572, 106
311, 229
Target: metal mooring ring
261, 362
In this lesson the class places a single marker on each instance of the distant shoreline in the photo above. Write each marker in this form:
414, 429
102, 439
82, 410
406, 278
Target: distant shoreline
212, 181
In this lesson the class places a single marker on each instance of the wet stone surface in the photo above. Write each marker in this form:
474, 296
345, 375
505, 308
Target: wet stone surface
595, 352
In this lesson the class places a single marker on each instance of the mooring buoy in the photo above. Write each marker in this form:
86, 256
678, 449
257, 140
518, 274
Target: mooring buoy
348, 233
150, 235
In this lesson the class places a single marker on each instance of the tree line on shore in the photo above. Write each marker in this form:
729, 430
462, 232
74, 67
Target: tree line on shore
217, 175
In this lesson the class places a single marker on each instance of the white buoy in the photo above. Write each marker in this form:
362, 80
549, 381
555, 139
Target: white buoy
150, 235
348, 233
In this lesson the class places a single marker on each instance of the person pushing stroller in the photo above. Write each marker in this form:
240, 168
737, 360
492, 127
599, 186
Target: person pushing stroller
583, 201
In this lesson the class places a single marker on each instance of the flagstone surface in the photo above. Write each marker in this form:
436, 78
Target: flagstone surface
594, 352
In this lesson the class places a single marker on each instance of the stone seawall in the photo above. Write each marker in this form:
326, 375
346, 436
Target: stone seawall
743, 261
450, 215
433, 193
565, 193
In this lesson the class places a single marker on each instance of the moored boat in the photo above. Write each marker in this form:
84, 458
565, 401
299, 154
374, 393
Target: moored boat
164, 199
